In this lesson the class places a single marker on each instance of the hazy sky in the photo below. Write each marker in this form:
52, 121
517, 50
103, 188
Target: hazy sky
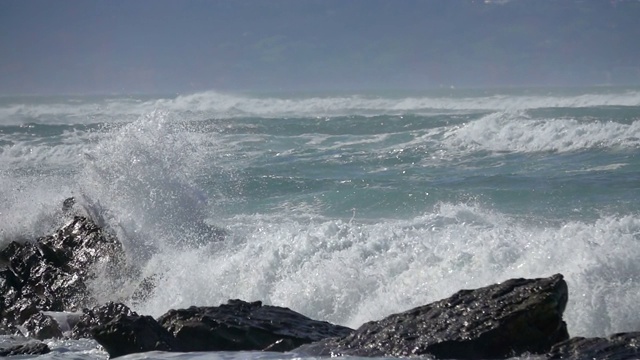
124, 46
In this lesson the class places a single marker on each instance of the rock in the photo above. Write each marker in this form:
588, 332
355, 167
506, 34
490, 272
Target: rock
41, 327
8, 329
98, 315
498, 321
28, 348
80, 244
27, 283
50, 274
9, 293
65, 320
239, 325
67, 204
127, 334
616, 347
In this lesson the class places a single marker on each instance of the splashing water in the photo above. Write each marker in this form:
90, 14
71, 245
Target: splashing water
345, 209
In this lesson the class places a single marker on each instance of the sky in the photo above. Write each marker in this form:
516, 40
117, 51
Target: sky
176, 46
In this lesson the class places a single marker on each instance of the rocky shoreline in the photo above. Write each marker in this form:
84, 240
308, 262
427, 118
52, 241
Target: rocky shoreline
49, 276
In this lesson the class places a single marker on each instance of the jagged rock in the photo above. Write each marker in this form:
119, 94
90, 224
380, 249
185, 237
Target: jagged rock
237, 325
615, 347
498, 321
98, 315
41, 327
8, 329
27, 283
28, 348
50, 274
9, 293
67, 204
127, 334
81, 243
240, 325
65, 320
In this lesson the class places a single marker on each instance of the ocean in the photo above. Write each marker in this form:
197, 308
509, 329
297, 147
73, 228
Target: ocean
343, 207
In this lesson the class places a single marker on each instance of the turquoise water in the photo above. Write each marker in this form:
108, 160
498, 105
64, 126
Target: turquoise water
343, 207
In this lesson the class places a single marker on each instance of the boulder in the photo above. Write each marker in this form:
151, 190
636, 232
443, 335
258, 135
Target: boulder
41, 327
29, 282
9, 329
50, 274
79, 245
98, 315
127, 334
615, 347
28, 348
240, 325
498, 321
235, 326
9, 294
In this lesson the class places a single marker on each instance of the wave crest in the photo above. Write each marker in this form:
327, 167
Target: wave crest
214, 104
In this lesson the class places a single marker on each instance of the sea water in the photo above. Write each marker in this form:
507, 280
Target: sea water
343, 207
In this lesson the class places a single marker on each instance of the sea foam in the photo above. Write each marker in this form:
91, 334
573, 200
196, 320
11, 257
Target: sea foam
214, 104
154, 180
349, 272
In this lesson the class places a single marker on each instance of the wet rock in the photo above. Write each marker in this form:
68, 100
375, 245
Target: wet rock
41, 327
81, 244
28, 348
9, 285
99, 315
616, 347
239, 325
65, 320
67, 204
503, 320
127, 334
27, 283
50, 274
8, 329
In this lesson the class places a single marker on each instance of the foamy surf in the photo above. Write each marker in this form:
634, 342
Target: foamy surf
344, 208
213, 104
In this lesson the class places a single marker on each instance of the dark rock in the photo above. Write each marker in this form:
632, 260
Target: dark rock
26, 305
29, 348
9, 293
67, 204
21, 258
616, 347
99, 315
41, 327
498, 321
237, 325
127, 334
50, 274
240, 325
85, 243
8, 329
